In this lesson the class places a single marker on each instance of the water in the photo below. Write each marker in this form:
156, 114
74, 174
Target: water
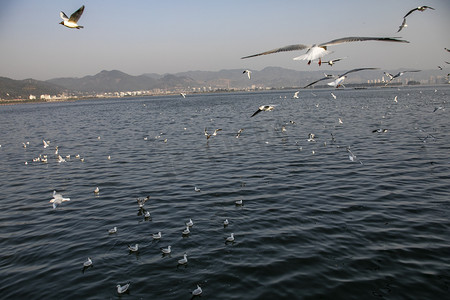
313, 225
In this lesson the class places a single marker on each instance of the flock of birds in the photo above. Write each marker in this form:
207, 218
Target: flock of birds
313, 52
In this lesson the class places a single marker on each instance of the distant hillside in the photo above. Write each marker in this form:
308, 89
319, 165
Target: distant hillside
15, 89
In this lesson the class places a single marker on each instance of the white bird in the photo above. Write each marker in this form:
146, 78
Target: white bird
395, 99
392, 77
419, 8
230, 238
45, 143
339, 79
183, 95
61, 159
198, 291
88, 262
186, 231
156, 236
122, 289
311, 137
208, 135
340, 121
332, 61
352, 157
238, 134
113, 230
248, 73
133, 248
263, 108
225, 223
295, 95
72, 21
334, 96
190, 223
146, 214
166, 250
97, 190
58, 199
317, 51
184, 260
196, 189
56, 150
238, 202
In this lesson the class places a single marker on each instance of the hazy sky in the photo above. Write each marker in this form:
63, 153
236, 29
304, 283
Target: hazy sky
145, 36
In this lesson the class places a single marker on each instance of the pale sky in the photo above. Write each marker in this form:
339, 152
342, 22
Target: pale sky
146, 36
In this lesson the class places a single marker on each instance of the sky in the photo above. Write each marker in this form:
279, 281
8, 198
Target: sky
146, 36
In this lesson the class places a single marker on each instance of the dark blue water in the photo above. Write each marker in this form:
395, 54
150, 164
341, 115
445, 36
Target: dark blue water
313, 225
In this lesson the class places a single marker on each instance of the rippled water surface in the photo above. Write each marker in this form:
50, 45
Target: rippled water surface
313, 223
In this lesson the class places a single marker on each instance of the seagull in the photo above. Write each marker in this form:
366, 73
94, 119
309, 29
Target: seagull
438, 108
141, 201
340, 78
248, 73
332, 61
156, 236
190, 223
317, 51
88, 262
208, 135
72, 21
340, 121
186, 231
380, 130
311, 137
395, 99
198, 291
295, 95
133, 248
146, 214
197, 189
419, 8
122, 289
166, 250
45, 143
183, 95
97, 190
112, 230
392, 77
57, 199
61, 159
238, 202
238, 134
225, 223
352, 156
263, 108
334, 96
446, 49
184, 260
230, 238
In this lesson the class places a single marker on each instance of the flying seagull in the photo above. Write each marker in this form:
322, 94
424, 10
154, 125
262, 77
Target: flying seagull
183, 95
332, 61
58, 199
419, 8
317, 51
295, 95
392, 77
72, 21
339, 79
446, 49
263, 108
248, 73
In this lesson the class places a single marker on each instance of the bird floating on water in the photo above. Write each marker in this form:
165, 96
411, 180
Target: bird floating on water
166, 250
248, 73
238, 202
317, 51
141, 201
157, 236
230, 238
58, 199
263, 108
419, 8
295, 95
226, 222
184, 260
112, 230
122, 289
198, 291
72, 21
197, 189
134, 248
190, 223
97, 190
186, 231
88, 262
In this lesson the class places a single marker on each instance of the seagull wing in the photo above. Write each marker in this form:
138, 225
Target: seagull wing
410, 12
356, 70
282, 49
412, 71
361, 39
63, 16
314, 82
402, 25
256, 112
76, 15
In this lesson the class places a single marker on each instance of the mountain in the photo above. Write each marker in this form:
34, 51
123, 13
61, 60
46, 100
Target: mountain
22, 89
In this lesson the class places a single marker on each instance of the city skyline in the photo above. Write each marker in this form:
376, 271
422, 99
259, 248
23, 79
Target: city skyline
153, 37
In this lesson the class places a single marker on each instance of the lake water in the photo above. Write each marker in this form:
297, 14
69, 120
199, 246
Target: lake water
313, 224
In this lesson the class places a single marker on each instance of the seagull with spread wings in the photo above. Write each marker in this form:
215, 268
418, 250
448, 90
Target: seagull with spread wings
339, 79
72, 21
392, 77
419, 8
317, 51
